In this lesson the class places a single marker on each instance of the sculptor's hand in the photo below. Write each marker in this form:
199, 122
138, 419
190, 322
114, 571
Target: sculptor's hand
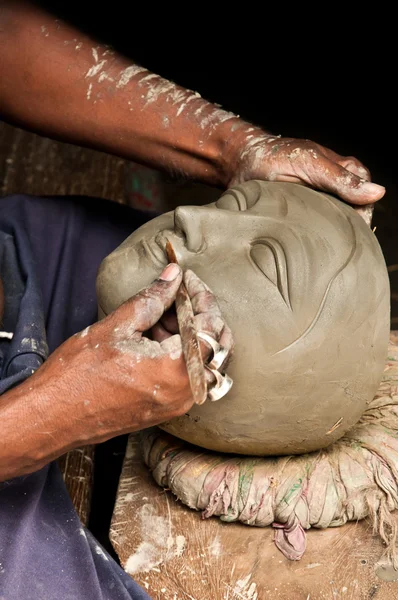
125, 380
205, 143
109, 379
262, 156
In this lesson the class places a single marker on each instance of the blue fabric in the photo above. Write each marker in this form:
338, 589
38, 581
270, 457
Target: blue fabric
50, 251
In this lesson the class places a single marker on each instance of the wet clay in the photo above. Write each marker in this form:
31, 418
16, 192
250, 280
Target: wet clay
302, 282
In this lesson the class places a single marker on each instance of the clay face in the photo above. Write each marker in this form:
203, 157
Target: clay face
302, 282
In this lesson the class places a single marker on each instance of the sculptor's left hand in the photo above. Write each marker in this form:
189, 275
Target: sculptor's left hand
113, 105
263, 156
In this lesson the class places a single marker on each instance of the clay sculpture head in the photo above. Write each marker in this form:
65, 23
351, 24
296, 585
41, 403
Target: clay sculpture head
302, 282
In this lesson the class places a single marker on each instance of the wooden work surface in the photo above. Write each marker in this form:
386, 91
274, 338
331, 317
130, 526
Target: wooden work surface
176, 555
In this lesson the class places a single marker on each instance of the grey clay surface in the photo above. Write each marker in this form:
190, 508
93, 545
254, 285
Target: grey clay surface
302, 282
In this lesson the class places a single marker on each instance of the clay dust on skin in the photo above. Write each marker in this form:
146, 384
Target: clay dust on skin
104, 77
155, 87
146, 348
127, 75
256, 146
95, 69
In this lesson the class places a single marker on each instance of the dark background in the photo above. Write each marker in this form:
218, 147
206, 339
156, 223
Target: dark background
324, 72
320, 72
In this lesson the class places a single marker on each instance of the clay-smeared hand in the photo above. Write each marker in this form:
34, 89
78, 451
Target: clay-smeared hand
208, 319
262, 156
120, 379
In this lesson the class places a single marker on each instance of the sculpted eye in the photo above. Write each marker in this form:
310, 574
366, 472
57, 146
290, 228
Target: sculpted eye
237, 200
232, 200
269, 256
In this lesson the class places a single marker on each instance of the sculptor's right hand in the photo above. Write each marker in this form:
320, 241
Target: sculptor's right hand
109, 379
126, 380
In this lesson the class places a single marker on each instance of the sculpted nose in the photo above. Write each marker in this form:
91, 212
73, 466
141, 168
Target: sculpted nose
188, 222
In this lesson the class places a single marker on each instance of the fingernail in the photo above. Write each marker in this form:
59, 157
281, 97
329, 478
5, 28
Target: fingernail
372, 188
170, 272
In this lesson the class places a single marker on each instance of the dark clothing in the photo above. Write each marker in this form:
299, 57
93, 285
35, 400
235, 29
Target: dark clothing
50, 251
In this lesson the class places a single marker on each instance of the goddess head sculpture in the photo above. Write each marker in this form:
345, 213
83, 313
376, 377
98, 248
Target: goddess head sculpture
302, 283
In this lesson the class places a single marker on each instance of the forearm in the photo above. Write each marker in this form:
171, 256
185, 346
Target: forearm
50, 414
37, 427
58, 82
26, 441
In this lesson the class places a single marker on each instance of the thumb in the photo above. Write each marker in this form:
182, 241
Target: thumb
145, 308
346, 184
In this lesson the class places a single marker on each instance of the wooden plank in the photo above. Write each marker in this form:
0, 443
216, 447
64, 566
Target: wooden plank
176, 555
77, 468
31, 164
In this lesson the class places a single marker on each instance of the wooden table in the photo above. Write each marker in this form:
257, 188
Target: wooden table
175, 555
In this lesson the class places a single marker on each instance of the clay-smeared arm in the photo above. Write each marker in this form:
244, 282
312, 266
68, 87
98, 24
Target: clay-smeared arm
58, 82
108, 380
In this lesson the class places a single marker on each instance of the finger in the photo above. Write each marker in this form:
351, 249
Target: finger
227, 341
172, 346
208, 317
202, 298
159, 333
145, 308
350, 163
169, 322
351, 188
210, 323
355, 166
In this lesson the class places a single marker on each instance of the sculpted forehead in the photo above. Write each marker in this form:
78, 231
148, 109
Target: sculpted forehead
289, 205
280, 243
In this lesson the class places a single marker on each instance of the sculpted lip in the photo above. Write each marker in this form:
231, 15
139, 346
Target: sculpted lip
155, 252
176, 240
155, 248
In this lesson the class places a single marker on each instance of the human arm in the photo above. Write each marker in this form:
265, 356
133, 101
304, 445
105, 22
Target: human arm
108, 380
58, 82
